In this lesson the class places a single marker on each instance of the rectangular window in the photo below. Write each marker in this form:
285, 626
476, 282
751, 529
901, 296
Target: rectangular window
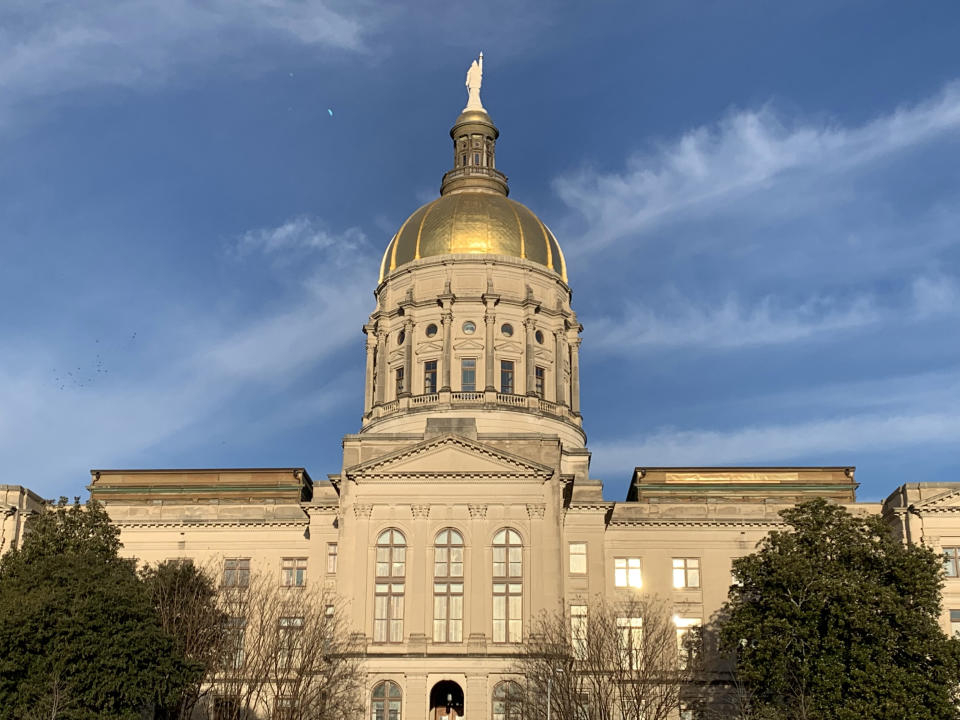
285, 708
630, 631
578, 558
236, 572
331, 558
233, 629
290, 641
294, 572
950, 555
954, 622
507, 612
686, 572
578, 630
448, 612
540, 375
430, 377
399, 380
626, 572
687, 642
506, 377
476, 158
468, 374
388, 613
226, 708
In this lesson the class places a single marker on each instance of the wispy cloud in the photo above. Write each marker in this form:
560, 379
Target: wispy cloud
743, 154
936, 295
57, 46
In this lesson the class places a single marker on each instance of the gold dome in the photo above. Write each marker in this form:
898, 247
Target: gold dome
476, 223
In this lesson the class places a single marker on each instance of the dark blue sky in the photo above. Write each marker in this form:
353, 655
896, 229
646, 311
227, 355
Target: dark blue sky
758, 202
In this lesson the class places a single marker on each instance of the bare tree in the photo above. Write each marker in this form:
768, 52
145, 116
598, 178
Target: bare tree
627, 662
53, 701
286, 651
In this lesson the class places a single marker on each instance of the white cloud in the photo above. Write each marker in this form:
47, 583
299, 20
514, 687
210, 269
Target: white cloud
57, 46
745, 153
935, 295
728, 324
301, 233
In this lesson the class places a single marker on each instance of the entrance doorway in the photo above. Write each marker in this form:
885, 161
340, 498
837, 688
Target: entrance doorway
446, 701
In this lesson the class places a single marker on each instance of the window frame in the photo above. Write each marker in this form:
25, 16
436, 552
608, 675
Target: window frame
499, 709
390, 694
448, 586
428, 373
630, 633
689, 567
540, 381
293, 572
463, 371
632, 567
508, 388
951, 561
332, 558
389, 587
579, 625
508, 586
580, 555
398, 380
236, 572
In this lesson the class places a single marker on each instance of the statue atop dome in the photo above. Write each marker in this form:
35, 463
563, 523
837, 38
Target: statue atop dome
474, 79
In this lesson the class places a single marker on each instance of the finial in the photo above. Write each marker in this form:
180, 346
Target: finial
474, 79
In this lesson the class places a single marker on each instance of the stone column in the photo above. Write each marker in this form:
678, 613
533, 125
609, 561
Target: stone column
446, 321
408, 356
528, 358
559, 362
490, 319
575, 375
380, 365
368, 381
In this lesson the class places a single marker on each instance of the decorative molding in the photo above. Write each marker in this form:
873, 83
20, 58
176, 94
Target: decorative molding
210, 523
536, 511
420, 511
704, 522
362, 510
477, 512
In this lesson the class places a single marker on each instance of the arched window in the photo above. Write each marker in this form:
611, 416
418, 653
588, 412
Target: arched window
507, 586
448, 587
507, 701
388, 601
386, 701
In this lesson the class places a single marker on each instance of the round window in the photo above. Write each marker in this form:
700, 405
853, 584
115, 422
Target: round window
507, 330
401, 336
431, 330
539, 337
469, 328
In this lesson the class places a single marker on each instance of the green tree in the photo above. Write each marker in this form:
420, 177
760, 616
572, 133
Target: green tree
79, 637
835, 619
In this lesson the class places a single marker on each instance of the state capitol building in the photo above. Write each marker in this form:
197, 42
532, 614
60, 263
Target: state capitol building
464, 506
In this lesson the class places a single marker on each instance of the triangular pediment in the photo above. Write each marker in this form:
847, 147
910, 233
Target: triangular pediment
947, 500
447, 457
468, 345
430, 346
508, 346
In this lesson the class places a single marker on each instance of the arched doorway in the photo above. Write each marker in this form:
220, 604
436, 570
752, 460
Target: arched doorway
446, 701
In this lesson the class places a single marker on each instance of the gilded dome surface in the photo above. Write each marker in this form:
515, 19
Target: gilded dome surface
479, 223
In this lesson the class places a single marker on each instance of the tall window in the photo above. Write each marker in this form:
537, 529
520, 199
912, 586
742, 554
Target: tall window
448, 587
290, 641
950, 557
285, 707
686, 642
578, 558
430, 377
386, 702
331, 558
507, 586
506, 376
226, 707
294, 572
388, 601
236, 572
686, 572
630, 631
468, 374
233, 629
954, 622
540, 375
398, 375
578, 630
626, 572
506, 701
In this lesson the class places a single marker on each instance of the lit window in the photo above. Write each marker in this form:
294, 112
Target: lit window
578, 630
294, 572
386, 702
686, 572
578, 558
506, 376
507, 699
448, 587
626, 572
399, 380
630, 632
950, 556
507, 586
430, 377
331, 558
539, 375
236, 572
954, 622
388, 599
468, 374
687, 643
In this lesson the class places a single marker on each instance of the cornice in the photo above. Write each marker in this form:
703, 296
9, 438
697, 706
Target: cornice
211, 523
698, 522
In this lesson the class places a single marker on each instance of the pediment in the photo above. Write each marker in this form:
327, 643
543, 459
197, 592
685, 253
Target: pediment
544, 355
509, 346
468, 345
430, 346
395, 357
948, 500
447, 457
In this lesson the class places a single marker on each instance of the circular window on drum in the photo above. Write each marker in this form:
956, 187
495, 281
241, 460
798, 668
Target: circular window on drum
431, 330
469, 327
539, 337
506, 330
